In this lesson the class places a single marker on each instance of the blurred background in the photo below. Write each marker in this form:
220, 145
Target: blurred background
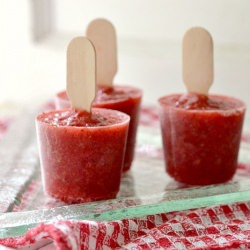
35, 34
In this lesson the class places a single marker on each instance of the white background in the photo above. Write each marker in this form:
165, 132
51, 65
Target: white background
149, 36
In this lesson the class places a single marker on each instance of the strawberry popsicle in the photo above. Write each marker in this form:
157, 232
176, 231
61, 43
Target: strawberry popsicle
82, 153
201, 136
117, 97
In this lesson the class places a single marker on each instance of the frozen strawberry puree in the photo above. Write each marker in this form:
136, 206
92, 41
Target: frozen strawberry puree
193, 101
80, 119
81, 154
122, 98
201, 137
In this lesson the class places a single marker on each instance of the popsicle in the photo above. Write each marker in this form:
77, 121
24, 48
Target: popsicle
81, 148
201, 132
123, 98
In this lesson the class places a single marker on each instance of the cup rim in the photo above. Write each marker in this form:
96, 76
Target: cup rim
124, 119
126, 87
241, 106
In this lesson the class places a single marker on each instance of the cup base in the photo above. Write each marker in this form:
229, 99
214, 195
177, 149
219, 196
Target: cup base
200, 181
74, 200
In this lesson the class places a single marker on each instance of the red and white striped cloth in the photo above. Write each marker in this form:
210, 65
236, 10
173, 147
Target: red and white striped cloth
218, 227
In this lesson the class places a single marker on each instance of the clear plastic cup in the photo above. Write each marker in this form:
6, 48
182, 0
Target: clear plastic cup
82, 163
201, 144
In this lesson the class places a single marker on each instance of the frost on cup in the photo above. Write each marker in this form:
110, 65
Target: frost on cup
82, 154
122, 98
201, 137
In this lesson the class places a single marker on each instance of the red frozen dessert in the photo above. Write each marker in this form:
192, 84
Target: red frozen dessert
201, 137
122, 98
82, 153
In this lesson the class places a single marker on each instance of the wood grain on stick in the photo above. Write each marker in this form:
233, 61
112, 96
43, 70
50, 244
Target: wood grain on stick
102, 34
197, 60
81, 71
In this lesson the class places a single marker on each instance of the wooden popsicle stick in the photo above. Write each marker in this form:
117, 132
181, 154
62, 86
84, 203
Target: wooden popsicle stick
102, 34
81, 73
197, 67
